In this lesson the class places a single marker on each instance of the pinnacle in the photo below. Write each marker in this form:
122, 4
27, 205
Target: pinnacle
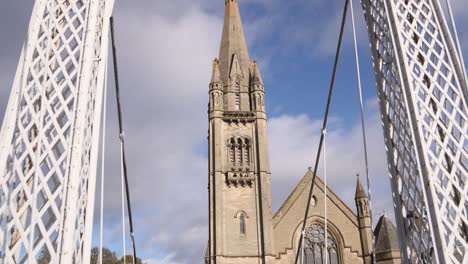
256, 77
216, 76
360, 192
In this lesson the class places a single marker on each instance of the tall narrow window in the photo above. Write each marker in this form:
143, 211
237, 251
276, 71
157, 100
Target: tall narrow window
232, 151
237, 98
237, 102
246, 150
239, 152
242, 224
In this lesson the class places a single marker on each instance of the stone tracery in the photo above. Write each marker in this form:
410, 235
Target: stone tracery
315, 250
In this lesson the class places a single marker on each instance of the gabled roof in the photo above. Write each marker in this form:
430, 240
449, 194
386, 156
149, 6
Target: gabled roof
386, 238
304, 186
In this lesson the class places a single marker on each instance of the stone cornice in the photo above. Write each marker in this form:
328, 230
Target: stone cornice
239, 116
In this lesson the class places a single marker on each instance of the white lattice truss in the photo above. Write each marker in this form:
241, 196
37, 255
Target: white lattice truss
49, 138
423, 95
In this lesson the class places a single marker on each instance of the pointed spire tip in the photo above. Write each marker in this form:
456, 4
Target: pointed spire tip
216, 75
233, 42
256, 76
360, 192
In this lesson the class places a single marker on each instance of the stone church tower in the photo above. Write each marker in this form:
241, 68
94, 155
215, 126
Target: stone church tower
242, 228
239, 170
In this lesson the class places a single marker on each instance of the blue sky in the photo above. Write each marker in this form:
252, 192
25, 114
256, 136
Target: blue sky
165, 53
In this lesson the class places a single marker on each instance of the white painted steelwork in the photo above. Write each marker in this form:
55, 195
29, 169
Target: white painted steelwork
423, 102
49, 138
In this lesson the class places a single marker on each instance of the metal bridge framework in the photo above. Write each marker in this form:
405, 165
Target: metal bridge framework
422, 89
49, 138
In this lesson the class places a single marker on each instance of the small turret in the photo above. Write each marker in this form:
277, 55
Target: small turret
256, 79
216, 88
257, 89
216, 77
364, 219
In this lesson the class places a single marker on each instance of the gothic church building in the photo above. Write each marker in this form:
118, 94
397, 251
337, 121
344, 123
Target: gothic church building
243, 229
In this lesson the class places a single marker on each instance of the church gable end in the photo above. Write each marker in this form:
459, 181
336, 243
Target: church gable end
342, 222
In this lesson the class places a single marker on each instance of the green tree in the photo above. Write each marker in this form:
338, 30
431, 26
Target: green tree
129, 260
108, 257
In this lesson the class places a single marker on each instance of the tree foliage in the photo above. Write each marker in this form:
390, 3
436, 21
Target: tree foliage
129, 260
108, 257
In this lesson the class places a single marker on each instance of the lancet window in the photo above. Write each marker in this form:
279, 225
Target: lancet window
242, 224
316, 251
237, 95
239, 152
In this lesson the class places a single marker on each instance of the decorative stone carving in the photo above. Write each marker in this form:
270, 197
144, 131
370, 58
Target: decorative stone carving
240, 178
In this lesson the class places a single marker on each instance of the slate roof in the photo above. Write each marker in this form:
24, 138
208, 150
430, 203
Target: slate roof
386, 237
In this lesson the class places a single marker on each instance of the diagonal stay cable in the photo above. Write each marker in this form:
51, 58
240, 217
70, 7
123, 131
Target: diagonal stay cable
363, 129
122, 141
324, 127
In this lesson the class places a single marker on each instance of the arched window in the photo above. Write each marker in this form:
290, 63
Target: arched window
246, 152
239, 152
237, 102
360, 208
232, 151
242, 224
315, 251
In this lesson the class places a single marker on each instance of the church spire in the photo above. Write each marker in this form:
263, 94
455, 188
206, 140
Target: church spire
360, 192
233, 42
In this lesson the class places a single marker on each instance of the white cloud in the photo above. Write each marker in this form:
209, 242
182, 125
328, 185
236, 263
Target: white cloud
165, 71
167, 260
293, 148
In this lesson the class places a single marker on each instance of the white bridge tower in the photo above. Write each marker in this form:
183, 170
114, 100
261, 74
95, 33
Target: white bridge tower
422, 89
49, 138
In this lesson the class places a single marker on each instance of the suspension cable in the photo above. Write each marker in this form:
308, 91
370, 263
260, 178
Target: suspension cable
324, 127
363, 128
324, 132
103, 153
122, 141
302, 248
122, 193
457, 40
